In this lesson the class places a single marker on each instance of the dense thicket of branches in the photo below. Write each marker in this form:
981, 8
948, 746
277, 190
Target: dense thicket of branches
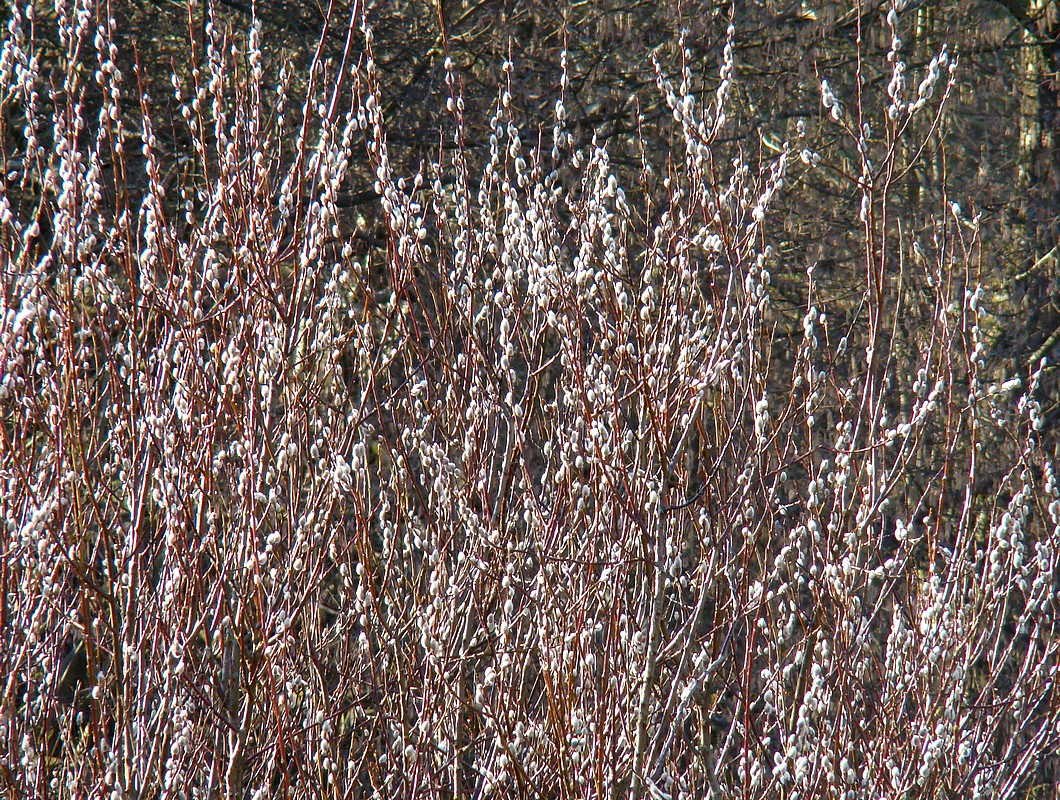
996, 152
535, 399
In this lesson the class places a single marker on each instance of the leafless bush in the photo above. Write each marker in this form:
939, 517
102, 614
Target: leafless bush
526, 492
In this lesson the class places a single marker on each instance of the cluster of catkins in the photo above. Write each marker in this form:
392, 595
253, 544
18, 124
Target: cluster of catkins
525, 489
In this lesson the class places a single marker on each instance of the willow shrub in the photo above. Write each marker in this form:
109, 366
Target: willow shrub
529, 490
